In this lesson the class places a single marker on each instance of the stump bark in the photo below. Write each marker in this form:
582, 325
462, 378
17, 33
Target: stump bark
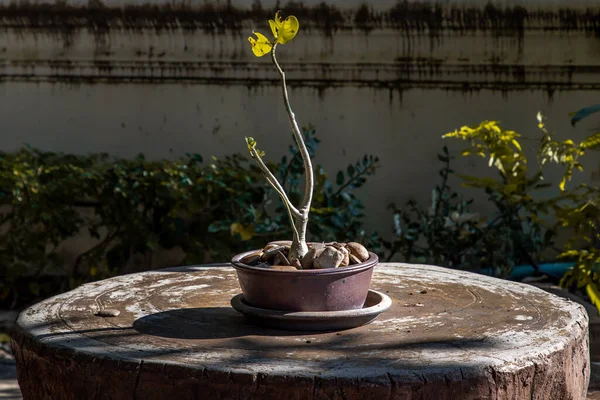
448, 335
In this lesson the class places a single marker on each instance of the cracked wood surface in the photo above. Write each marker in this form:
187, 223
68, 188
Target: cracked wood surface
448, 335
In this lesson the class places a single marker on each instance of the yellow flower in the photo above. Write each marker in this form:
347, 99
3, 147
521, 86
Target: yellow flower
283, 31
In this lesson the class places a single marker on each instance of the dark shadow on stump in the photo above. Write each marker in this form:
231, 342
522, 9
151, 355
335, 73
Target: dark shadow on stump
203, 323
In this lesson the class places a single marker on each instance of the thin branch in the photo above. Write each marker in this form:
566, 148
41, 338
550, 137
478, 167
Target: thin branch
277, 186
309, 179
274, 182
288, 207
354, 178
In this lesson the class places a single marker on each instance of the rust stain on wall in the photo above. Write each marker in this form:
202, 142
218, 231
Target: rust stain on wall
211, 17
417, 65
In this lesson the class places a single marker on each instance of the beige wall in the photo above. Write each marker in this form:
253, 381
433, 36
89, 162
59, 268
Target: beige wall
384, 80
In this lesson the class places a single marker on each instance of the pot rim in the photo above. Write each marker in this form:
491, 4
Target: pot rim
372, 261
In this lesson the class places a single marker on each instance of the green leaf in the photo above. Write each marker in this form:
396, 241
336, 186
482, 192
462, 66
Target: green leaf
218, 226
350, 170
591, 142
593, 292
516, 144
339, 178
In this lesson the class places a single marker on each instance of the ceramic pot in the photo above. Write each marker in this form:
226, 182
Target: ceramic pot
332, 289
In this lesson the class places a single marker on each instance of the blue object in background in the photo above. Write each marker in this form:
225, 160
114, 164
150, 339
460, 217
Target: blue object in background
554, 270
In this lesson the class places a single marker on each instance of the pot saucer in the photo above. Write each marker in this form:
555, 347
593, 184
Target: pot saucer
375, 304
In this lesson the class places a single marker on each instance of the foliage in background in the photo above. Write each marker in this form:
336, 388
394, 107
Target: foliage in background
579, 211
513, 193
520, 230
514, 190
449, 234
132, 208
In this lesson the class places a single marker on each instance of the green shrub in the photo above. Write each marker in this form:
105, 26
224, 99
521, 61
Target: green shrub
134, 207
526, 220
450, 234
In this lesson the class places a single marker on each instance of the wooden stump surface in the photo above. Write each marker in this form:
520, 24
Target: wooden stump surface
448, 335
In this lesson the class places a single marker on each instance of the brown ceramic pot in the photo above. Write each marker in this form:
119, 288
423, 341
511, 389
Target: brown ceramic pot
333, 289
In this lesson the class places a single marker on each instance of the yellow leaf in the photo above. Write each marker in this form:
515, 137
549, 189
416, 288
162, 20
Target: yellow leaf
250, 142
591, 142
516, 144
510, 188
569, 254
245, 231
261, 46
562, 183
594, 294
275, 26
285, 30
289, 29
568, 279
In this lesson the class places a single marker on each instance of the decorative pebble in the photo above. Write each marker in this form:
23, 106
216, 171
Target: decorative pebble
253, 258
316, 246
296, 263
329, 258
309, 258
109, 312
283, 267
346, 253
358, 250
353, 259
284, 243
281, 259
270, 251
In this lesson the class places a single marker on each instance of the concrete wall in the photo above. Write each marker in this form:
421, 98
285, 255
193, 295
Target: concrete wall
387, 78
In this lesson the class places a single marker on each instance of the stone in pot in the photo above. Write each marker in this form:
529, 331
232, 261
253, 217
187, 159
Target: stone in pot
330, 257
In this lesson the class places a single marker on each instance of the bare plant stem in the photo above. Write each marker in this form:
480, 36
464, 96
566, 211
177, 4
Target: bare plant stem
293, 212
299, 247
298, 216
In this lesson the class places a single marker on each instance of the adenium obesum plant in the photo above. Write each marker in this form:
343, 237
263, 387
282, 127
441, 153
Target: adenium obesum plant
284, 31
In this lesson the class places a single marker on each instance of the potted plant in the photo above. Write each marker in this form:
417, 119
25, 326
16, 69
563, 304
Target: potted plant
296, 275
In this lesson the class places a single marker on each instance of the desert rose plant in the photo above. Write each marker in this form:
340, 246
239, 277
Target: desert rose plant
297, 254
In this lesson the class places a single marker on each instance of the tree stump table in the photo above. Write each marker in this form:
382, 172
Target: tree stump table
448, 335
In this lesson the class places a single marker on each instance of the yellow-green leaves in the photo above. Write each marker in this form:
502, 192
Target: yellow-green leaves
250, 142
591, 142
252, 147
502, 147
246, 232
286, 30
283, 31
261, 45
